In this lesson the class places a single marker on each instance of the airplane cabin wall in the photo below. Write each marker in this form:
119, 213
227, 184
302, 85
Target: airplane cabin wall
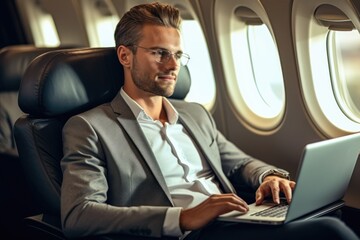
282, 146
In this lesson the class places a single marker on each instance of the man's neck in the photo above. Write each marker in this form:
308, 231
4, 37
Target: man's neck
152, 105
154, 108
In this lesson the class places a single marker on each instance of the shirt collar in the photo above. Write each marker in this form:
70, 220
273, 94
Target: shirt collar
140, 114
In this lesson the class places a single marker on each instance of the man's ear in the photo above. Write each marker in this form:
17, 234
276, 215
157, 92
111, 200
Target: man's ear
124, 55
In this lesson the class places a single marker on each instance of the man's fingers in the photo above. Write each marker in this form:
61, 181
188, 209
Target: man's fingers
229, 202
273, 186
261, 193
275, 191
215, 205
288, 191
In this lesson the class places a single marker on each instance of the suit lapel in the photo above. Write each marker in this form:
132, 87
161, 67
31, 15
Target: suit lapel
192, 127
133, 129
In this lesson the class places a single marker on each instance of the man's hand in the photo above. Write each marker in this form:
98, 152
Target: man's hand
197, 217
272, 186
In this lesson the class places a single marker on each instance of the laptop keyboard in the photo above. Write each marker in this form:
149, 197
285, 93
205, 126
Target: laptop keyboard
274, 211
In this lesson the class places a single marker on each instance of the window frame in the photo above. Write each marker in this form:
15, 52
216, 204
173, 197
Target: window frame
227, 22
313, 64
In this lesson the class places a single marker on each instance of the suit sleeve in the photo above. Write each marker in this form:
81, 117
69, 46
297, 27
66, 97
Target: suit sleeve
84, 207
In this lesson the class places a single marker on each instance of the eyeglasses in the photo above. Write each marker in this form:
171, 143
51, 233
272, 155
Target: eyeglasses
163, 55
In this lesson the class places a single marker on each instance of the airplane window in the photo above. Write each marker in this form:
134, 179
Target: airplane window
258, 72
103, 27
344, 49
101, 20
203, 83
327, 62
253, 71
48, 31
267, 76
42, 25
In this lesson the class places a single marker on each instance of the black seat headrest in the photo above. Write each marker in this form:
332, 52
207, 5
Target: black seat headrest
70, 81
13, 62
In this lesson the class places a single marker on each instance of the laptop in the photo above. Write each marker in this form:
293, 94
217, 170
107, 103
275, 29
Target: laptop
323, 177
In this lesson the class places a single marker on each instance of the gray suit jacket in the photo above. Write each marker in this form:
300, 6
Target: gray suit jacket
112, 182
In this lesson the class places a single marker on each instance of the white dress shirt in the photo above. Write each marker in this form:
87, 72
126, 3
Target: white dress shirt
188, 176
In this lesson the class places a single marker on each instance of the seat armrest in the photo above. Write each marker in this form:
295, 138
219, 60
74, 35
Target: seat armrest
37, 228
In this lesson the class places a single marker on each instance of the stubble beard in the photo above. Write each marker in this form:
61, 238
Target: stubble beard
151, 84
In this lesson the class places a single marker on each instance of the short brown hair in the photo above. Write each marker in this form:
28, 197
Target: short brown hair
128, 30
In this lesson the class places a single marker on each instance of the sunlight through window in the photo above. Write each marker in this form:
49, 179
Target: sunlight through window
267, 69
258, 70
42, 25
202, 78
344, 64
101, 20
105, 28
48, 29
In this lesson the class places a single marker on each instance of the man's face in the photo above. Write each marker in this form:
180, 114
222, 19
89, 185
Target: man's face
148, 75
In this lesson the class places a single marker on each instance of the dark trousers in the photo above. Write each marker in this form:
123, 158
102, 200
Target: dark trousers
329, 228
318, 228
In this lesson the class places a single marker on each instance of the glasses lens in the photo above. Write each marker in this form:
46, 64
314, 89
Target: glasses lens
165, 56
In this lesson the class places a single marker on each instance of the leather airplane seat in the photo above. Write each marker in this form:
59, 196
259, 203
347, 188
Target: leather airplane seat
55, 86
16, 201
13, 63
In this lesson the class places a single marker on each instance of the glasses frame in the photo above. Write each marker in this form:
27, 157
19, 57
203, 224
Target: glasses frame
180, 57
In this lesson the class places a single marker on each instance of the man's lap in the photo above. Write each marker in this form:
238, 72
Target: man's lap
319, 228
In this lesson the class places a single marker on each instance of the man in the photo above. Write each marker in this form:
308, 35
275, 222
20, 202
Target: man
142, 165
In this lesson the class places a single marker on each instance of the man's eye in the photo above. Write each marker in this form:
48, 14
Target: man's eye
162, 53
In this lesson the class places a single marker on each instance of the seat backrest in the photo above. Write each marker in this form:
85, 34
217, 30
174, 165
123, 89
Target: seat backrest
13, 63
56, 86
